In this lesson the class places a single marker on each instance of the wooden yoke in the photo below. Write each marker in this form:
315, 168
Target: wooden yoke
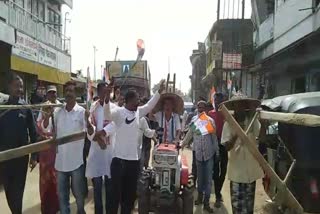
284, 195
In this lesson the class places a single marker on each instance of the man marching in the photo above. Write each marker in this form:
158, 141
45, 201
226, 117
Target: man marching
70, 119
205, 143
100, 154
125, 164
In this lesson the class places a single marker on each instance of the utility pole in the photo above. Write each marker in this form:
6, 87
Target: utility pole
243, 8
218, 10
94, 63
65, 29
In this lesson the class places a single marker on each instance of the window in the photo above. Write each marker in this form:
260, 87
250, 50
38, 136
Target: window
57, 21
298, 85
19, 3
28, 5
41, 12
35, 7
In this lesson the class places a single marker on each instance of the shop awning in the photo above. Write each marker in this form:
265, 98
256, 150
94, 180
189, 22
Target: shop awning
44, 73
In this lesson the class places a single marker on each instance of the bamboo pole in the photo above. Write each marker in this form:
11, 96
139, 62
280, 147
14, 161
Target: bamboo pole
284, 196
35, 106
39, 146
291, 118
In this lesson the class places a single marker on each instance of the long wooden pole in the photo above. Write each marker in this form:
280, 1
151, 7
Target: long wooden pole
284, 196
291, 118
39, 146
35, 106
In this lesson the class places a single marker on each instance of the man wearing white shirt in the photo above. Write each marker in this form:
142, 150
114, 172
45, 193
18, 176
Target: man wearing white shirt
125, 164
100, 154
68, 120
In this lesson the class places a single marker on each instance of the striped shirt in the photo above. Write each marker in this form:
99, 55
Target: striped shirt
205, 146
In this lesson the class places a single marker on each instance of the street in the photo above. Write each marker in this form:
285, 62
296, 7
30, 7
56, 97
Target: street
31, 203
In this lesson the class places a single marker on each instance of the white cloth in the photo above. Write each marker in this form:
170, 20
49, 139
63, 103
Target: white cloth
127, 124
69, 156
167, 125
99, 160
144, 131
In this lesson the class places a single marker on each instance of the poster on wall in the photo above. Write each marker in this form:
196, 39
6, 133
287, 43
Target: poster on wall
216, 52
123, 68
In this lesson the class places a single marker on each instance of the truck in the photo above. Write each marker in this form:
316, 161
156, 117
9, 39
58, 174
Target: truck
130, 75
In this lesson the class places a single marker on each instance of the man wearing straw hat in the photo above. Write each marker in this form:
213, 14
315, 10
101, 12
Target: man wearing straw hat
167, 113
243, 169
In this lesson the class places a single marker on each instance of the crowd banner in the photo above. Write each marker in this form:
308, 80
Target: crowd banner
39, 146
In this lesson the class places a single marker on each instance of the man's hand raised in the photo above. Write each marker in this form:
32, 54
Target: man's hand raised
108, 91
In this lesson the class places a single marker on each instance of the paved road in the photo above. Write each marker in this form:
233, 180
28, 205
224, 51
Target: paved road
31, 201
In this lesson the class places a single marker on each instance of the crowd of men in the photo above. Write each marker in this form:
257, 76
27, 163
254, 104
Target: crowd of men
119, 130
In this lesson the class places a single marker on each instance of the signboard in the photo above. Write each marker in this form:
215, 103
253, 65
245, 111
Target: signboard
47, 55
231, 61
216, 51
126, 68
31, 49
26, 47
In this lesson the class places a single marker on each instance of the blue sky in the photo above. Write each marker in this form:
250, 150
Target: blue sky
170, 29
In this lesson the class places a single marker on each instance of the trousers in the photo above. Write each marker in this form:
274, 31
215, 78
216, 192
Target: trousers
78, 189
124, 178
13, 174
98, 183
220, 171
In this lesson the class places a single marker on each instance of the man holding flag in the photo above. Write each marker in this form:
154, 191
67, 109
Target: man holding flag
203, 132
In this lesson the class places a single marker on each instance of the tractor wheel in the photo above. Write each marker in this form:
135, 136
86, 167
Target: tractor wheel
144, 193
188, 201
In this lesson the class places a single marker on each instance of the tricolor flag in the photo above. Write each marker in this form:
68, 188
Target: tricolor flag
212, 94
202, 125
89, 88
141, 48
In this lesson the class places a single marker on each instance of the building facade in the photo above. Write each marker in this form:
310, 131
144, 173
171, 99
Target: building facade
32, 45
229, 53
287, 42
198, 61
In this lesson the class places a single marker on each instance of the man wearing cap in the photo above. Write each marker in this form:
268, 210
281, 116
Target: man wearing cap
243, 170
48, 180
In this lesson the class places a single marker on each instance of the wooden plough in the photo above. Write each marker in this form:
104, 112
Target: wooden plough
284, 197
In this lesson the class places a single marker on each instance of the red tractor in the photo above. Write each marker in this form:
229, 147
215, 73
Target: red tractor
166, 186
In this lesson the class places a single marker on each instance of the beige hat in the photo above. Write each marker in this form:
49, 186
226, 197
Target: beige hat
240, 102
178, 103
51, 88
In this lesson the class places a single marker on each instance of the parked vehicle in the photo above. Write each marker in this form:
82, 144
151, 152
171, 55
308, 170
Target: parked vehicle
286, 143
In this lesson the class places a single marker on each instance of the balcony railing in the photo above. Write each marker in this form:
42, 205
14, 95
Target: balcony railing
28, 23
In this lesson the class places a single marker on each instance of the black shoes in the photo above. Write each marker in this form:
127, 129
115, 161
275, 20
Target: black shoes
207, 208
199, 200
